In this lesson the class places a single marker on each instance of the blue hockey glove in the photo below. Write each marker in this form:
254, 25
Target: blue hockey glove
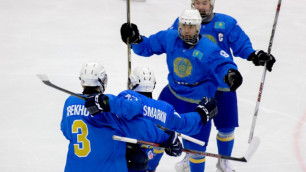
97, 104
130, 31
207, 109
260, 57
173, 146
233, 79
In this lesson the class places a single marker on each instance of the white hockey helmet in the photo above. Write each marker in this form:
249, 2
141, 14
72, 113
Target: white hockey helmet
204, 14
190, 17
93, 75
142, 79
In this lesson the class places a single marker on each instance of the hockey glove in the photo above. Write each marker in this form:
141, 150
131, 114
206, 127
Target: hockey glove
173, 146
233, 79
260, 57
97, 104
130, 31
207, 109
136, 158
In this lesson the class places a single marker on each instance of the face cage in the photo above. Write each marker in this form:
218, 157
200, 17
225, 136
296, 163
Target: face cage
191, 41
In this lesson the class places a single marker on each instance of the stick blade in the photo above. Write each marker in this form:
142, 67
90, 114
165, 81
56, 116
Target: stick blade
43, 77
252, 148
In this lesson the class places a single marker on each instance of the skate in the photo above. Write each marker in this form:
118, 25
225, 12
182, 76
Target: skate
224, 166
183, 166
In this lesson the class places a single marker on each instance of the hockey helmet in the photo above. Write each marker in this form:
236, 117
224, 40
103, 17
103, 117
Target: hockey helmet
93, 75
190, 17
142, 79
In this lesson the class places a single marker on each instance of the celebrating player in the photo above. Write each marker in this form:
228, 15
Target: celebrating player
197, 67
91, 147
142, 84
225, 32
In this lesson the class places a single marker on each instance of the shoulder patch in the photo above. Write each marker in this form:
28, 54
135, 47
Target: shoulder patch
197, 54
219, 25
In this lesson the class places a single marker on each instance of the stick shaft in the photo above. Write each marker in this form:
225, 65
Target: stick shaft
135, 141
128, 2
46, 81
196, 141
264, 73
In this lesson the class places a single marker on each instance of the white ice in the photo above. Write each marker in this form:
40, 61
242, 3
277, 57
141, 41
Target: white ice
56, 37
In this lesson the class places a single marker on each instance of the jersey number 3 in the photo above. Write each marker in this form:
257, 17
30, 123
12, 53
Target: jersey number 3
82, 148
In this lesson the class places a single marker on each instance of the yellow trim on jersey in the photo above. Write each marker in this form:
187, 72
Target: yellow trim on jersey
158, 151
211, 37
197, 161
226, 139
145, 146
224, 89
183, 98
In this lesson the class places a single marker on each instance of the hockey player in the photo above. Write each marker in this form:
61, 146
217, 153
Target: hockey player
196, 68
91, 147
142, 83
142, 80
224, 31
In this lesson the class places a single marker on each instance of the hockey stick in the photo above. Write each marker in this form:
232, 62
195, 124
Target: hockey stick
196, 141
44, 78
264, 73
191, 139
246, 158
128, 2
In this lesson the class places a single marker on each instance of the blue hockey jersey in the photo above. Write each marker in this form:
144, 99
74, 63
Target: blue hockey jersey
129, 104
193, 72
91, 146
224, 31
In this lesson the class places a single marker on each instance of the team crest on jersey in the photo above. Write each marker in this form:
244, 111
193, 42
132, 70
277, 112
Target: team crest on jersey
197, 54
219, 25
210, 37
182, 67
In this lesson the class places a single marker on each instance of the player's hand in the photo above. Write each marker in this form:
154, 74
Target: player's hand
260, 57
207, 109
233, 79
130, 31
97, 104
173, 146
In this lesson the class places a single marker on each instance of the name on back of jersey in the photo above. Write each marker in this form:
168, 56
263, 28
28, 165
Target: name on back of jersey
154, 113
77, 110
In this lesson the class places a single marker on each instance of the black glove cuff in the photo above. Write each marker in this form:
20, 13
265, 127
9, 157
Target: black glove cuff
138, 40
251, 56
233, 79
102, 102
202, 113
